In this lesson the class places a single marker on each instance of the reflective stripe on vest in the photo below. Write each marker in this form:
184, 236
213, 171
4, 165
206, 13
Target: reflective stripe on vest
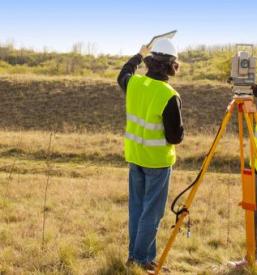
146, 142
145, 124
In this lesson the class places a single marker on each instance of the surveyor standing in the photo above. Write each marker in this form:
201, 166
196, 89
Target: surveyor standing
153, 126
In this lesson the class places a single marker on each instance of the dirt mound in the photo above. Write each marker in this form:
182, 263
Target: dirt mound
95, 105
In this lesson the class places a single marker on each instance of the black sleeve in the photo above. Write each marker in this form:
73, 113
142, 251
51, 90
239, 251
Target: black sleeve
172, 121
128, 70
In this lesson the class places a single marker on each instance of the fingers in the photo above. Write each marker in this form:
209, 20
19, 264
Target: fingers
254, 87
144, 51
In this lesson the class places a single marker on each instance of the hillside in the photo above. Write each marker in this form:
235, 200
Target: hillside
79, 104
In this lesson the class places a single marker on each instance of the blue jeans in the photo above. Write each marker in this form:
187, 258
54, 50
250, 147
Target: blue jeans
148, 190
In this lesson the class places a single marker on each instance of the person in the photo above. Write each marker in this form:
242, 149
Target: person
153, 126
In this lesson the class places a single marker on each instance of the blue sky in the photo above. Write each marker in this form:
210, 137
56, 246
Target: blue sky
117, 26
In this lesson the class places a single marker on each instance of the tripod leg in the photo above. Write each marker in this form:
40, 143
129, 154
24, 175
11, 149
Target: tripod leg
250, 130
255, 117
249, 199
241, 143
192, 193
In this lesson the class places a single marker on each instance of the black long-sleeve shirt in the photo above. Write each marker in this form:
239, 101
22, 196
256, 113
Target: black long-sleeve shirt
171, 116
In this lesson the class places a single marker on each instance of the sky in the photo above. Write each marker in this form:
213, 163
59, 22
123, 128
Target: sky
121, 27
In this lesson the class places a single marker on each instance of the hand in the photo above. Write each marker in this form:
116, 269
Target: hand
229, 80
144, 51
254, 87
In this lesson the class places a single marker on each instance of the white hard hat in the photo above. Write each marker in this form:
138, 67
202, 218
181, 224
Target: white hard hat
164, 46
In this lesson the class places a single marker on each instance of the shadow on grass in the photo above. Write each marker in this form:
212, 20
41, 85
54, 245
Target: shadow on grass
41, 155
218, 164
240, 271
114, 265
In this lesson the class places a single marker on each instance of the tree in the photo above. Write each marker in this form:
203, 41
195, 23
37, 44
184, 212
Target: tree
78, 47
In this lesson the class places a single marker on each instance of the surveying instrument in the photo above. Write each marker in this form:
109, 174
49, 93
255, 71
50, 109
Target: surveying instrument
242, 78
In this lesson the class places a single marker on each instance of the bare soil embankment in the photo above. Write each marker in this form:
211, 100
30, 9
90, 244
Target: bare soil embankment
95, 105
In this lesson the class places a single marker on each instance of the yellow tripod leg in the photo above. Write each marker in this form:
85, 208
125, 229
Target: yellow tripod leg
255, 117
248, 185
251, 133
241, 143
191, 195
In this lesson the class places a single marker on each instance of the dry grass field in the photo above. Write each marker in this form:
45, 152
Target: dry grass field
63, 181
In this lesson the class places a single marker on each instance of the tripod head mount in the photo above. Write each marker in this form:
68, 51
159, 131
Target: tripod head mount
243, 70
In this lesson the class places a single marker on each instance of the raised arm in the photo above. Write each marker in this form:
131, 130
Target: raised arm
130, 68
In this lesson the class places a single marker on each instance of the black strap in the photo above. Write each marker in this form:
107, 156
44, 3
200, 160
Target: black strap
184, 208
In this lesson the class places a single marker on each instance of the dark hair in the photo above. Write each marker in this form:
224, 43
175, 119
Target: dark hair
161, 67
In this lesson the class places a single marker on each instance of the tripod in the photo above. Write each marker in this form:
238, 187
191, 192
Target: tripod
246, 110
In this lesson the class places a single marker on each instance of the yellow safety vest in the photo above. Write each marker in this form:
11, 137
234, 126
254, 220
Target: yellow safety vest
145, 142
